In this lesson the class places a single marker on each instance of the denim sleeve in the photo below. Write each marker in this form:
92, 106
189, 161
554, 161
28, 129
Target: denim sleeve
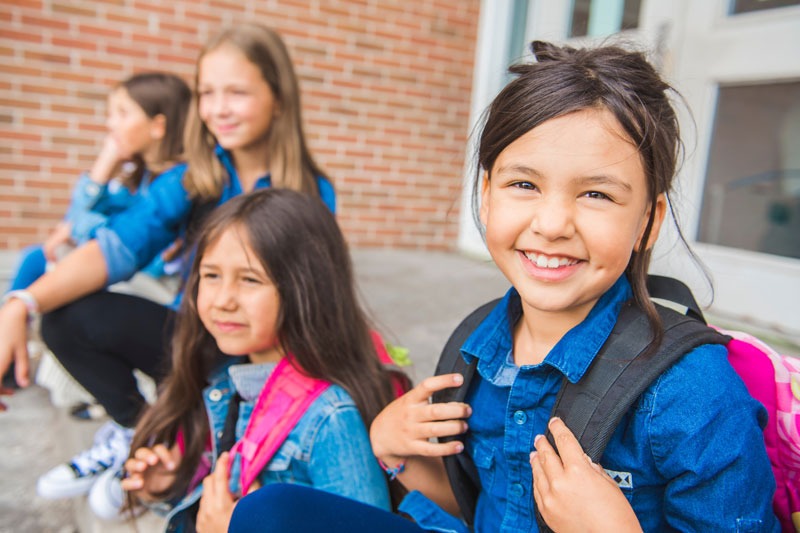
706, 438
134, 237
81, 214
342, 462
86, 194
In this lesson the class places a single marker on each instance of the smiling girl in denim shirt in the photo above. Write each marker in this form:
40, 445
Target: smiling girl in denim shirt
272, 282
577, 156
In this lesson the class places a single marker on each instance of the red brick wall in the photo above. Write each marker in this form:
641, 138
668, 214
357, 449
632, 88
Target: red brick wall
386, 89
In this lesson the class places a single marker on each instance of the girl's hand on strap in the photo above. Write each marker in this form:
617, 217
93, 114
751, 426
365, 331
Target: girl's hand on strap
217, 502
404, 427
572, 492
151, 471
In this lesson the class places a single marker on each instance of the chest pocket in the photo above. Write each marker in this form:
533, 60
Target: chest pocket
283, 465
484, 458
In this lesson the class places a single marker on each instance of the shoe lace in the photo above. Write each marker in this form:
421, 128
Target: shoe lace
110, 447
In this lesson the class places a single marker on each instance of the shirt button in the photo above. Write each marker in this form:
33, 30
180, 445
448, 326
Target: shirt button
92, 189
219, 434
520, 417
215, 395
516, 490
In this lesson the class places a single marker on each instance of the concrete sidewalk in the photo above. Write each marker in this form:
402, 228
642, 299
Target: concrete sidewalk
416, 299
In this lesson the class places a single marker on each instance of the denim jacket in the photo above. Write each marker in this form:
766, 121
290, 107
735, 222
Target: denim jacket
328, 449
134, 237
689, 455
93, 203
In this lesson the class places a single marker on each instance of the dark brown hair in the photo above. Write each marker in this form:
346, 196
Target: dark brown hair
299, 244
159, 93
564, 80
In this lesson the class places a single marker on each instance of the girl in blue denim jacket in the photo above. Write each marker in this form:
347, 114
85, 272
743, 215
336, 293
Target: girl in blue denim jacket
577, 157
146, 115
271, 287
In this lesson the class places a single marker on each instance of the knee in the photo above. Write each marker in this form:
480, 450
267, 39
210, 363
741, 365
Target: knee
277, 504
61, 325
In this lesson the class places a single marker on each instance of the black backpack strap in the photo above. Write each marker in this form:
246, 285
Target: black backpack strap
625, 366
673, 290
622, 370
461, 470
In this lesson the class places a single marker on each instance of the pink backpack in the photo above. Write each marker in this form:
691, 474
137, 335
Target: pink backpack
774, 380
279, 408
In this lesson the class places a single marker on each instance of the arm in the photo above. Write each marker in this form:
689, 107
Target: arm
340, 453
401, 432
572, 492
707, 442
82, 272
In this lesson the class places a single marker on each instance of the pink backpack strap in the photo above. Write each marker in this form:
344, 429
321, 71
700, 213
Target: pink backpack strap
283, 401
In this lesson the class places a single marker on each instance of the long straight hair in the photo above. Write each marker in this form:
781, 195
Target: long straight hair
320, 323
290, 161
159, 93
564, 80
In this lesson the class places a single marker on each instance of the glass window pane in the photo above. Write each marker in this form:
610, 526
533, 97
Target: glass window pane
751, 199
598, 18
746, 6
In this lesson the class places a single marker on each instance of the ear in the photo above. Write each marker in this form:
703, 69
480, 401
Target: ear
658, 219
158, 127
485, 192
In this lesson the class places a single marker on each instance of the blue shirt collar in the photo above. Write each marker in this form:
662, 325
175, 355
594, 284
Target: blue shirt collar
234, 186
492, 340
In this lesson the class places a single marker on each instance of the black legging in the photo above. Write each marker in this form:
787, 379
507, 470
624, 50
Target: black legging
102, 338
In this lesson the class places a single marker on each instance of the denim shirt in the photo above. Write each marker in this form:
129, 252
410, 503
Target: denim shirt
134, 237
328, 449
689, 455
93, 203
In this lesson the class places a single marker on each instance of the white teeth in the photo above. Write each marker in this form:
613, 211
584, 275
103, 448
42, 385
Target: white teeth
543, 261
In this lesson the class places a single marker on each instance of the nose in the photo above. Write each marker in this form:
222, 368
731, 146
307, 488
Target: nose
553, 218
225, 296
219, 104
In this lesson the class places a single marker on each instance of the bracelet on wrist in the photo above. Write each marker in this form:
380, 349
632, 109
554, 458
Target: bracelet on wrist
31, 305
393, 472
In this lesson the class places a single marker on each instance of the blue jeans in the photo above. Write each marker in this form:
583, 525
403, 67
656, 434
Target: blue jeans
30, 267
301, 509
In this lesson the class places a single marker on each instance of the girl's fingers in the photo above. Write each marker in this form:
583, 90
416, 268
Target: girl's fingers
447, 428
541, 485
133, 482
547, 457
437, 449
568, 446
423, 391
165, 456
447, 411
146, 455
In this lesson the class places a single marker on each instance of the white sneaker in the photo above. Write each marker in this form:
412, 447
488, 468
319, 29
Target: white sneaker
106, 498
109, 451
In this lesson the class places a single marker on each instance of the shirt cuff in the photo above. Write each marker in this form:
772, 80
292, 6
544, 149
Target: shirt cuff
430, 516
120, 261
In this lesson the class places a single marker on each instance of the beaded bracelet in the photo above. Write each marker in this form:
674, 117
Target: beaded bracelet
393, 472
31, 305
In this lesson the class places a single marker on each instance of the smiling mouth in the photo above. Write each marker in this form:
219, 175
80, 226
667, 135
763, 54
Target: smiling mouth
549, 261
